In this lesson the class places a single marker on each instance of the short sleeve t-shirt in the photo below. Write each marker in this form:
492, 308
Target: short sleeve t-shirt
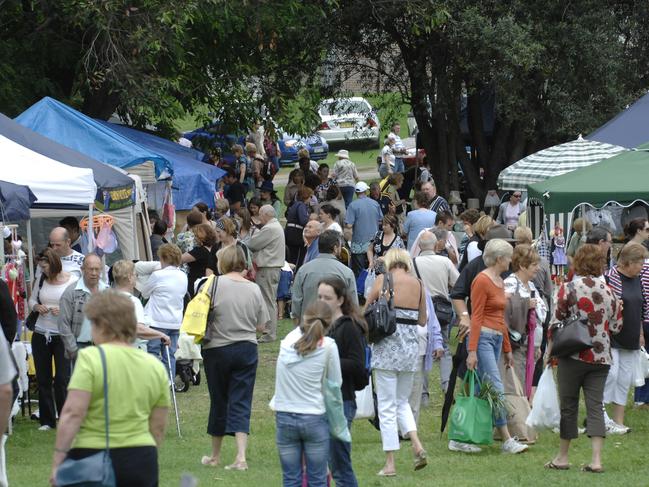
629, 337
364, 214
137, 384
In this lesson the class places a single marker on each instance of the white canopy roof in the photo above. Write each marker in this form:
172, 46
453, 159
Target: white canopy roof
51, 181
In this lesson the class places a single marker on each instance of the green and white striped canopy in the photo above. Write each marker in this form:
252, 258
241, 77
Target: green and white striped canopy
554, 161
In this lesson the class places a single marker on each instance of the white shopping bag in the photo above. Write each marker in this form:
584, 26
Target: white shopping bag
640, 368
365, 403
545, 406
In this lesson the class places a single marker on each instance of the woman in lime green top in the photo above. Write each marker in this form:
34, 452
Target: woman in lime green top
138, 397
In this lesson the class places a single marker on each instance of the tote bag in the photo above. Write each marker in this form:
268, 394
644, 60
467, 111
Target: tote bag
471, 417
333, 399
518, 409
198, 309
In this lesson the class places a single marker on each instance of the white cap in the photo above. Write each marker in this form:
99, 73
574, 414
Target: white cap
361, 187
6, 232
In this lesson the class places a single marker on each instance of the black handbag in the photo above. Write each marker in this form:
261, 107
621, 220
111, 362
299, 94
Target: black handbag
443, 306
32, 317
570, 336
95, 470
381, 316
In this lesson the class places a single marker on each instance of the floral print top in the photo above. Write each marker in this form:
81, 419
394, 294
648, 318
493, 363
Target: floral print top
592, 299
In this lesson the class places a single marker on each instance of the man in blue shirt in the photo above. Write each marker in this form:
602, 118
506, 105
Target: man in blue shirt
361, 224
418, 219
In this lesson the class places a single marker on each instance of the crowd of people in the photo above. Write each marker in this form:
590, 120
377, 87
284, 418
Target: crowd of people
341, 240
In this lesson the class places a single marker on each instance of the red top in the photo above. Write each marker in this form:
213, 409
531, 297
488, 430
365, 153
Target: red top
487, 310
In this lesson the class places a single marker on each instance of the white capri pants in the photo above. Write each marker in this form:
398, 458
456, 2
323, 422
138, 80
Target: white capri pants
392, 391
620, 376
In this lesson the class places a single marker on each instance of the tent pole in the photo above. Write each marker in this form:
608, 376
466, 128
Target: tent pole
91, 230
30, 253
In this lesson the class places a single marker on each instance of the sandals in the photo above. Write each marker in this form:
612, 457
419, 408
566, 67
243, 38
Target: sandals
209, 461
383, 473
590, 469
420, 460
242, 466
553, 466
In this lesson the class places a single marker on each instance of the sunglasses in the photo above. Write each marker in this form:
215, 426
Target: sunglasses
516, 195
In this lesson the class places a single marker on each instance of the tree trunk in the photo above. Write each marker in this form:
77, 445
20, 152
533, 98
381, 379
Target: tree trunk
100, 103
498, 154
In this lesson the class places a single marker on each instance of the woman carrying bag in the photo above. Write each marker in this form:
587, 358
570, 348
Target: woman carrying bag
395, 360
522, 297
589, 298
117, 400
307, 361
348, 329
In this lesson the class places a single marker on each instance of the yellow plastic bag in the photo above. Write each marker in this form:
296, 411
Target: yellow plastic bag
195, 319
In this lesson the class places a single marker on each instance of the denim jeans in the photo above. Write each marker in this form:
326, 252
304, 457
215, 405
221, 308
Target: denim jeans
298, 436
489, 348
340, 453
399, 166
642, 393
348, 194
156, 347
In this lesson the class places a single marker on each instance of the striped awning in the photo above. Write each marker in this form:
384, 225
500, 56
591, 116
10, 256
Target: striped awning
554, 161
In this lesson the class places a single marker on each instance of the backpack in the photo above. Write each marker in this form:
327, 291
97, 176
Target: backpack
381, 317
368, 367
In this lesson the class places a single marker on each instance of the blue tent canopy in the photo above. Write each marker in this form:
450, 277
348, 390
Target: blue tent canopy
629, 128
193, 181
15, 201
114, 189
77, 131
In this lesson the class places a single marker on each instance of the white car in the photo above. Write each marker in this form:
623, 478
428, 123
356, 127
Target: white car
348, 119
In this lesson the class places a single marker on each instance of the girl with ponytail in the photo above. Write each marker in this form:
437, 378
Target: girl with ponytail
306, 356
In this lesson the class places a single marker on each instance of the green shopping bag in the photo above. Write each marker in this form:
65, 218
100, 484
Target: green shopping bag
471, 417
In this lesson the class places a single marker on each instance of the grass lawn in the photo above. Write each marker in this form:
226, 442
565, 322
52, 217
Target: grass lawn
29, 451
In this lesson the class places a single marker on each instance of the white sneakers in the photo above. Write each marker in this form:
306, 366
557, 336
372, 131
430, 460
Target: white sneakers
45, 428
513, 446
612, 428
463, 447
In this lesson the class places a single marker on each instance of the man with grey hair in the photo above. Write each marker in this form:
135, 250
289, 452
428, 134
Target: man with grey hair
269, 247
60, 242
438, 274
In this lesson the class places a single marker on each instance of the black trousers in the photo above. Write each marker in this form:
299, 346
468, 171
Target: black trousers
134, 466
43, 353
230, 371
359, 262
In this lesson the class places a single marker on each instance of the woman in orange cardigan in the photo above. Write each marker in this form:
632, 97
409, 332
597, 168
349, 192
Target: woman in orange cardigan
488, 335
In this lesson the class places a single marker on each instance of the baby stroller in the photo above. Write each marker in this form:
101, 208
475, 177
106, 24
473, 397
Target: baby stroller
188, 363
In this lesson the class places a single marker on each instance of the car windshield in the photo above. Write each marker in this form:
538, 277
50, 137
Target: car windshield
344, 107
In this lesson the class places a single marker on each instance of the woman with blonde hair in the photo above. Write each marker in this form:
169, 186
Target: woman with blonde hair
395, 359
136, 397
480, 228
306, 355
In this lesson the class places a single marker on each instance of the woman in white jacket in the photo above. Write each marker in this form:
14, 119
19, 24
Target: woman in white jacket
166, 290
306, 355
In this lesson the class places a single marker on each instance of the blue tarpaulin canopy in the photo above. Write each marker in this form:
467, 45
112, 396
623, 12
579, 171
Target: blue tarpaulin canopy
15, 202
193, 181
77, 131
114, 188
629, 128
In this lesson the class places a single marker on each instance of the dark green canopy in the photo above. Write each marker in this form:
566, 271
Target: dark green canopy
622, 178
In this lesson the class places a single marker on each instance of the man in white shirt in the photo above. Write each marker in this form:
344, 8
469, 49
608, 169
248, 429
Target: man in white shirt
60, 242
398, 148
438, 275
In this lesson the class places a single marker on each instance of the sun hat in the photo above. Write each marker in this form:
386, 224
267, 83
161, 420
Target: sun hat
267, 186
342, 154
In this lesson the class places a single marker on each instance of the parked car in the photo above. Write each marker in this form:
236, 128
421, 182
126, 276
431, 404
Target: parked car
289, 145
349, 119
211, 138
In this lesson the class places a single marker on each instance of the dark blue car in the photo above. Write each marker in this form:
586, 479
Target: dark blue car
209, 139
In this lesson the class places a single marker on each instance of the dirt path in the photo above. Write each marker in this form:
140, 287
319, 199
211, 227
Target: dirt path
366, 175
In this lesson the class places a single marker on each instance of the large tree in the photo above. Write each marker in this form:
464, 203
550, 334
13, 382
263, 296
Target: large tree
552, 69
153, 60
